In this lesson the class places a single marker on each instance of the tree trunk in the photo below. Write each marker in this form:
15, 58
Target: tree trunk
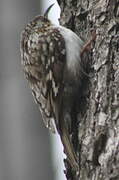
97, 145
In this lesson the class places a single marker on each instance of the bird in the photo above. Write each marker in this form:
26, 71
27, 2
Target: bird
52, 61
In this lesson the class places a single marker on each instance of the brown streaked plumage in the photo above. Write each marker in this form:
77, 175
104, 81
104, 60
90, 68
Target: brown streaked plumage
53, 67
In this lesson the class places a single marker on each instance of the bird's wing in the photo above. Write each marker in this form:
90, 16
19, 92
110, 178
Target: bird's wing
43, 59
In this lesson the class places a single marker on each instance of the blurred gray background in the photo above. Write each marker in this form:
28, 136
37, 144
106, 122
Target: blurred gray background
25, 144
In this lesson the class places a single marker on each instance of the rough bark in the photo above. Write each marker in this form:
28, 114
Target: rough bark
98, 120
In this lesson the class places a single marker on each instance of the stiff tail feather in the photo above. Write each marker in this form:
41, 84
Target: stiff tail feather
68, 148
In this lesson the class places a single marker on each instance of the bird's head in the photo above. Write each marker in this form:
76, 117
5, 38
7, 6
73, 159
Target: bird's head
42, 21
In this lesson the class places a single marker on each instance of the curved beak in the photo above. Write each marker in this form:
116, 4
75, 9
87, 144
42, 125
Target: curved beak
47, 11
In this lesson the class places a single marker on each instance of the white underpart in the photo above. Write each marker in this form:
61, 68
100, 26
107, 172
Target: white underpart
73, 48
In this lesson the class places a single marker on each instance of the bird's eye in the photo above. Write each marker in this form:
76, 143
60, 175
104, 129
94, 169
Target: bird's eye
39, 24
